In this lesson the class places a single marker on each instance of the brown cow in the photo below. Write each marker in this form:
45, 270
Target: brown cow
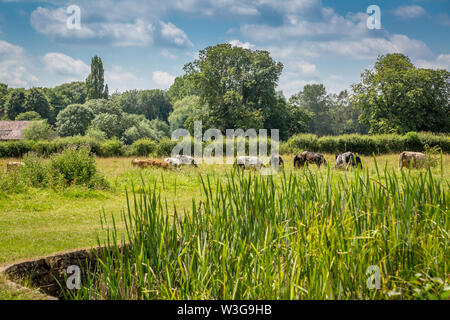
309, 157
161, 164
405, 158
13, 165
140, 163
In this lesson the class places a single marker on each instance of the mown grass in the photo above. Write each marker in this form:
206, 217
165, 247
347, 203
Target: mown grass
38, 221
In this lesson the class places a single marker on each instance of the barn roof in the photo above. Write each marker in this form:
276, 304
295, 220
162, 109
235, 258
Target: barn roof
13, 130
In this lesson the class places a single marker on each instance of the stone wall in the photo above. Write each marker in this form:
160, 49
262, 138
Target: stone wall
49, 273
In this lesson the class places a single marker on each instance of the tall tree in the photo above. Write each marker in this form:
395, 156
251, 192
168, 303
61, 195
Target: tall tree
15, 103
3, 97
314, 99
396, 97
37, 101
237, 85
95, 82
74, 120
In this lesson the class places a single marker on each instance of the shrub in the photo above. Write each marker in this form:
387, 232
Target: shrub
165, 147
28, 116
142, 147
76, 166
35, 172
38, 130
432, 156
112, 147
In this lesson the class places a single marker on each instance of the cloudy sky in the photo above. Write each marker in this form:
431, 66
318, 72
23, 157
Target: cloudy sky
144, 44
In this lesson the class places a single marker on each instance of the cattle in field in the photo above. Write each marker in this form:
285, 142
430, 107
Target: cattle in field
173, 162
140, 163
13, 165
348, 159
246, 162
308, 157
406, 157
276, 161
160, 164
187, 160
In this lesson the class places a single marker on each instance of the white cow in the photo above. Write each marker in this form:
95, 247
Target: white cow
247, 162
173, 162
187, 160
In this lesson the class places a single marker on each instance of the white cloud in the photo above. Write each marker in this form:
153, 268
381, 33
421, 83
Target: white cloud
64, 65
14, 68
174, 35
166, 53
409, 12
163, 79
441, 62
119, 79
238, 43
307, 68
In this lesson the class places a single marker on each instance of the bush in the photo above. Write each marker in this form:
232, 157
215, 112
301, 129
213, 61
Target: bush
112, 147
165, 147
76, 166
366, 144
35, 172
38, 130
28, 116
142, 147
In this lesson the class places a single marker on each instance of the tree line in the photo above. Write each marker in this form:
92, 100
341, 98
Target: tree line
231, 87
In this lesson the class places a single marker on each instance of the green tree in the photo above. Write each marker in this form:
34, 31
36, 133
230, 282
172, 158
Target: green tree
15, 103
3, 97
189, 106
38, 130
74, 120
37, 101
182, 87
64, 95
314, 99
396, 97
95, 82
28, 116
153, 104
237, 85
108, 123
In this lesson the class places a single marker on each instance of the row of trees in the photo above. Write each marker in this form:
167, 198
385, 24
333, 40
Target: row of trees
232, 87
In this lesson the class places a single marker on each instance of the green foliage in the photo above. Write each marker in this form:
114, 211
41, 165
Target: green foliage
164, 147
152, 104
396, 97
365, 144
37, 101
15, 103
293, 236
96, 134
112, 147
35, 173
38, 130
238, 86
432, 156
28, 116
95, 87
181, 88
107, 123
77, 167
74, 120
142, 147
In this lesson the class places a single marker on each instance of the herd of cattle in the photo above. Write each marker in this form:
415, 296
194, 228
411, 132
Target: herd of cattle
346, 160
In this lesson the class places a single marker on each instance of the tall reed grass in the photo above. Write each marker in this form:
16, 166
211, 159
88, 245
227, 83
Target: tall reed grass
300, 235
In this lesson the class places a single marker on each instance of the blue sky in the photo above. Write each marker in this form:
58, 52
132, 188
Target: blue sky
144, 44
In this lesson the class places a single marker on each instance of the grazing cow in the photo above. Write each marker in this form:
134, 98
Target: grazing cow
173, 162
10, 166
187, 160
348, 159
276, 161
140, 163
246, 162
309, 157
160, 164
405, 158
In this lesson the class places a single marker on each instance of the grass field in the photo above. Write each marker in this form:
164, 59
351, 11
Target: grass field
44, 221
